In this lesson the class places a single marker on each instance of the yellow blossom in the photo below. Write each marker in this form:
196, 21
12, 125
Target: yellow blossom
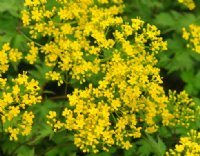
54, 76
188, 145
188, 3
14, 102
192, 36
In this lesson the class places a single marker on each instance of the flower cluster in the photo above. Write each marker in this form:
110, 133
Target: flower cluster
8, 55
14, 102
54, 76
188, 145
192, 35
128, 97
181, 110
188, 3
88, 42
71, 27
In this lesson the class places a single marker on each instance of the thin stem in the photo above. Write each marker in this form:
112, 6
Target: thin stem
58, 97
29, 39
18, 29
21, 144
114, 117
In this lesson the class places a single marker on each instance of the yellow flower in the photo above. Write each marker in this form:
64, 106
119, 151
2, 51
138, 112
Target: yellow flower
52, 114
188, 3
13, 133
54, 76
189, 145
32, 55
14, 102
14, 55
13, 112
192, 36
36, 14
26, 17
27, 121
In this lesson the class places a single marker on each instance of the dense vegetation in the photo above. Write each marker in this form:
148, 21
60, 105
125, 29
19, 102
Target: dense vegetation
99, 77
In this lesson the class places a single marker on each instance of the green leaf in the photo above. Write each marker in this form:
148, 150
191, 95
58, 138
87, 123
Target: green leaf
25, 150
164, 19
185, 20
12, 6
43, 108
192, 81
7, 27
148, 145
62, 150
197, 80
145, 148
187, 76
191, 89
43, 130
164, 132
62, 137
181, 61
8, 146
18, 41
161, 146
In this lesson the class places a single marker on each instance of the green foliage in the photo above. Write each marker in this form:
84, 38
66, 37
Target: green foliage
10, 22
149, 145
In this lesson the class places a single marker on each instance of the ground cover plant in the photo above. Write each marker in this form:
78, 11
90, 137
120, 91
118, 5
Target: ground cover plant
99, 77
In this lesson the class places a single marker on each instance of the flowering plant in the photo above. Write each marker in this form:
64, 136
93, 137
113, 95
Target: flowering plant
86, 81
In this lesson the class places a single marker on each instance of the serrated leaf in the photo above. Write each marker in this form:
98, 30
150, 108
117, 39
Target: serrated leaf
164, 19
144, 148
149, 145
184, 21
161, 146
181, 61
